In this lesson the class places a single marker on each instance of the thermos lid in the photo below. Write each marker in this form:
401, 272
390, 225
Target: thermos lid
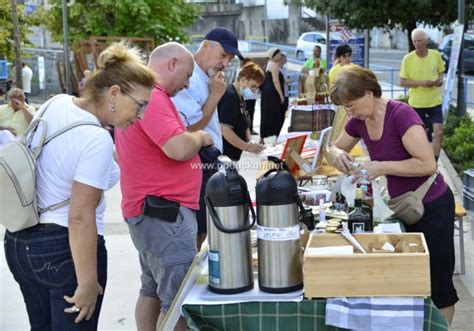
224, 191
277, 188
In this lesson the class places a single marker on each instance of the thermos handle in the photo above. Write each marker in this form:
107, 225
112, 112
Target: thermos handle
279, 162
217, 222
252, 210
305, 215
300, 206
282, 164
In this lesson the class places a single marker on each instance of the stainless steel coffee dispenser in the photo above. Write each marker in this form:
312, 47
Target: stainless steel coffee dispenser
280, 258
230, 254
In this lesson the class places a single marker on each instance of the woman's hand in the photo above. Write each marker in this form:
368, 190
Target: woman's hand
84, 299
373, 168
282, 98
341, 159
12, 130
254, 148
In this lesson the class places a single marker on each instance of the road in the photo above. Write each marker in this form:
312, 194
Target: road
381, 60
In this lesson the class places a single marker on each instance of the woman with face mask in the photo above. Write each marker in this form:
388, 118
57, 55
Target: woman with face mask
233, 116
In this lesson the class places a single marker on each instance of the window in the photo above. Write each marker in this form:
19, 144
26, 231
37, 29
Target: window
320, 39
309, 38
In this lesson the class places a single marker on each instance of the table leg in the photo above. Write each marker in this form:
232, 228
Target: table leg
461, 243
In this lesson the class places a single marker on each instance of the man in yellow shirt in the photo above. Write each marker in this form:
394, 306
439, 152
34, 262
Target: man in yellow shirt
16, 115
343, 57
422, 72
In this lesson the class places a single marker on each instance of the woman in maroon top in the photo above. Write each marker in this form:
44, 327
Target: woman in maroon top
398, 148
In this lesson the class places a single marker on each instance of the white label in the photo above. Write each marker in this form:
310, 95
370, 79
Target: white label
278, 234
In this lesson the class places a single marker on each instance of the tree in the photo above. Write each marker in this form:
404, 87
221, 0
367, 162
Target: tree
6, 28
388, 14
162, 20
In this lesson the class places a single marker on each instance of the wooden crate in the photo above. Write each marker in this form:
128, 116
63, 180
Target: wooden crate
320, 118
366, 275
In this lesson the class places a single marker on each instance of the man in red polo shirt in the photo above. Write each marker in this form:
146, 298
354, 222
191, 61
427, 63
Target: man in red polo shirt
160, 183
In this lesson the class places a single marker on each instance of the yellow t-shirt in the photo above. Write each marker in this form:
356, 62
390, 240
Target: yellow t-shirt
336, 70
427, 68
14, 119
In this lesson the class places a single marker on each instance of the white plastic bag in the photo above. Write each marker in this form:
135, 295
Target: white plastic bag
380, 210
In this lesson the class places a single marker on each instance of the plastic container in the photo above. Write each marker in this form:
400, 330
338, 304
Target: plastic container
469, 179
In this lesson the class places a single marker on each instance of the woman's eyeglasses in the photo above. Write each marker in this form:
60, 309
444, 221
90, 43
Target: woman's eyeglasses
254, 88
141, 105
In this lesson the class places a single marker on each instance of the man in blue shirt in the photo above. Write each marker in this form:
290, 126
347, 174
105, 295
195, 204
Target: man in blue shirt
197, 104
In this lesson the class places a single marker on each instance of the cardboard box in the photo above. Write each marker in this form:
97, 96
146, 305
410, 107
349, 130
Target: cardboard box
365, 275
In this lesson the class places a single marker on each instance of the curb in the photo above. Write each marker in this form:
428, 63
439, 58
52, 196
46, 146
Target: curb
458, 185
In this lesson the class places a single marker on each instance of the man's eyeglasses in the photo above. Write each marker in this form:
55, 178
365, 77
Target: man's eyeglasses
141, 105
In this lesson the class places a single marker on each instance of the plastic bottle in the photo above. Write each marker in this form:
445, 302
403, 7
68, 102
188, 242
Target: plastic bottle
366, 186
322, 214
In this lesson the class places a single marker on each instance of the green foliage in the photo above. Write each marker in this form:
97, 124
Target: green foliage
6, 28
403, 98
452, 121
362, 14
162, 20
458, 140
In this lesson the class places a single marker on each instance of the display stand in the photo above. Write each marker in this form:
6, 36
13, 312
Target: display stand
292, 153
174, 312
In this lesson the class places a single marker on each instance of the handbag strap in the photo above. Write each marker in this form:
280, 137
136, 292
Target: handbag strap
423, 189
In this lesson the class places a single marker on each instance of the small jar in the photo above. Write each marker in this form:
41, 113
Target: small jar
331, 182
320, 180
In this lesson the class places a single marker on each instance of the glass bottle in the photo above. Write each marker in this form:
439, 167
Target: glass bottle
358, 220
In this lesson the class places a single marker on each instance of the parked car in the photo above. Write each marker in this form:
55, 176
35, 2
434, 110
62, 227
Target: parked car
468, 46
306, 43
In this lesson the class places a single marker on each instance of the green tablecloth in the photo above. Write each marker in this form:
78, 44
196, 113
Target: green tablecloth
287, 316
270, 316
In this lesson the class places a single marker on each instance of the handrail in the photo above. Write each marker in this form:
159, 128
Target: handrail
290, 51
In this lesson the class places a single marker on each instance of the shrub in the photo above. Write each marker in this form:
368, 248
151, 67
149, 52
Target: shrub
403, 98
452, 122
459, 141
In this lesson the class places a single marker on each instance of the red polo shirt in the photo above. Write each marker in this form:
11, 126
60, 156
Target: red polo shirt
145, 168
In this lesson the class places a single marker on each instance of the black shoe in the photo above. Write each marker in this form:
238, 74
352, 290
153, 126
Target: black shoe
253, 133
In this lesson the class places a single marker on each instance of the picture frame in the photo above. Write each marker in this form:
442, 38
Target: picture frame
293, 145
323, 141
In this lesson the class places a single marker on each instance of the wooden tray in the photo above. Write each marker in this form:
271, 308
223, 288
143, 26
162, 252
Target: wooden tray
366, 275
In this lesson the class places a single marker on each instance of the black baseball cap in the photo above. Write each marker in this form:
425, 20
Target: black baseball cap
226, 38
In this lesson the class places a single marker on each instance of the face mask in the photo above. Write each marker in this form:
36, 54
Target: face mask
246, 92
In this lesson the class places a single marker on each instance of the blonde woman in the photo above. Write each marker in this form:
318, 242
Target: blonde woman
61, 263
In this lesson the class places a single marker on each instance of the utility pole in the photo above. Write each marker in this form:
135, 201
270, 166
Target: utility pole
17, 44
367, 47
461, 109
328, 43
67, 74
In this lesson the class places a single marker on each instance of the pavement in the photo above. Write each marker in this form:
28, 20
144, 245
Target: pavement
124, 270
